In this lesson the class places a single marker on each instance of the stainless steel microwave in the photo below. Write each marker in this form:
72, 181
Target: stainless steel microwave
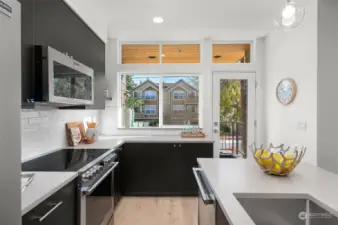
61, 80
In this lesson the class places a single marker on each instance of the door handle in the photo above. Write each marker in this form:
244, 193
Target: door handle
215, 131
42, 218
89, 190
215, 124
206, 198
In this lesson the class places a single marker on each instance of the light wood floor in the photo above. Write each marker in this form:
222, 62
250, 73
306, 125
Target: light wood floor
156, 211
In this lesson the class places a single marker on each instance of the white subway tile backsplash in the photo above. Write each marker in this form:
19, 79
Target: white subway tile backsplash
44, 113
29, 114
38, 120
43, 131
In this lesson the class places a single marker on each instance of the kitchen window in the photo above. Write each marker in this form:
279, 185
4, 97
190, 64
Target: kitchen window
150, 109
163, 97
179, 94
150, 95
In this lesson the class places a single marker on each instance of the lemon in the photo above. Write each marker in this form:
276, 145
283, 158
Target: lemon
263, 157
276, 169
289, 163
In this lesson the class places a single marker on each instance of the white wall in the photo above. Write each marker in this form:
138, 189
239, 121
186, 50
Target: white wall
43, 131
327, 84
260, 135
293, 54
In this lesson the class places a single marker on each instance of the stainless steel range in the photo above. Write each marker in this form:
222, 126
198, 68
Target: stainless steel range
97, 180
97, 192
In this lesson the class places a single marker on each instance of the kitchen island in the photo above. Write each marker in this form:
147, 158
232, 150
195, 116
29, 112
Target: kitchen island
242, 189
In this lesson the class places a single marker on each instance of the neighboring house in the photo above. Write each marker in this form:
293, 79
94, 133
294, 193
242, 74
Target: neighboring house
180, 102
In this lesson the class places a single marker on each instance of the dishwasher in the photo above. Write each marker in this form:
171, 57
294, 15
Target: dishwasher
206, 200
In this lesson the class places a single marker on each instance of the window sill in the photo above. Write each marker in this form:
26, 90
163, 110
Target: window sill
154, 128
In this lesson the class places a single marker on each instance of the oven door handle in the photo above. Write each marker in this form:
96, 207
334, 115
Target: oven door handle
207, 199
88, 190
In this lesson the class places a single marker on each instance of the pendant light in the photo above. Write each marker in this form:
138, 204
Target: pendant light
291, 17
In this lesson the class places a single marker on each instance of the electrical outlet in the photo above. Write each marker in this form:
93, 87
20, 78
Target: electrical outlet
302, 125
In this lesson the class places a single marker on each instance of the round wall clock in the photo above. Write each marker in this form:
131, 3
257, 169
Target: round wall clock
286, 91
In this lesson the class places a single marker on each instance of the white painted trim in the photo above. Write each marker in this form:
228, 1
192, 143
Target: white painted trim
160, 102
161, 52
251, 78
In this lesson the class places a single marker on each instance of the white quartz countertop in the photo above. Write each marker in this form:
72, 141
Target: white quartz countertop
42, 186
230, 177
117, 141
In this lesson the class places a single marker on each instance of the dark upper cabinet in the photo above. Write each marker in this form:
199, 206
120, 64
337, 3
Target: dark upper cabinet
53, 23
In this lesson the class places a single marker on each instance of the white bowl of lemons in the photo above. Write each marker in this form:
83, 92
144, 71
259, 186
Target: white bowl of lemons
276, 160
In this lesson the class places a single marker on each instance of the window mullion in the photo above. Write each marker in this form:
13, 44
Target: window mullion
160, 102
160, 53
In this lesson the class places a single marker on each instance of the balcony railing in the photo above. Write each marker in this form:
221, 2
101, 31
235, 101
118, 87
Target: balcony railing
233, 136
191, 100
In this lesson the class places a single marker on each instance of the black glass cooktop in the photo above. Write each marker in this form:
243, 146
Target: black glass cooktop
63, 160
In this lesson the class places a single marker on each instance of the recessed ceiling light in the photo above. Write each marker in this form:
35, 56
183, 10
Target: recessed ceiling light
158, 19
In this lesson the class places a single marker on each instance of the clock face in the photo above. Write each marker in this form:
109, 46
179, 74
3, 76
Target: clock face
286, 91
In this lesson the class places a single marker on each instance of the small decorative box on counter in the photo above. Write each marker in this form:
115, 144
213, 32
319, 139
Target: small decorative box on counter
192, 132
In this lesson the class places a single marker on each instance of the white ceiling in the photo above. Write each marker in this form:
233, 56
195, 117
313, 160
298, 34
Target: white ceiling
185, 15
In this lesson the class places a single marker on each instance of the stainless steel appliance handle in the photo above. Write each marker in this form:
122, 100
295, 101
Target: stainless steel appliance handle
42, 218
205, 197
88, 190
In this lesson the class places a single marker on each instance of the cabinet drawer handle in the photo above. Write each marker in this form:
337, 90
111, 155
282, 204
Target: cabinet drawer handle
42, 218
179, 145
174, 146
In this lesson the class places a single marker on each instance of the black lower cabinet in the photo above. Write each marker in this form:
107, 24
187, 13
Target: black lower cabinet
60, 208
220, 217
161, 169
188, 159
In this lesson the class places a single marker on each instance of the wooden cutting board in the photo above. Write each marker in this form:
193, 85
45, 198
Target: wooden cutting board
78, 124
